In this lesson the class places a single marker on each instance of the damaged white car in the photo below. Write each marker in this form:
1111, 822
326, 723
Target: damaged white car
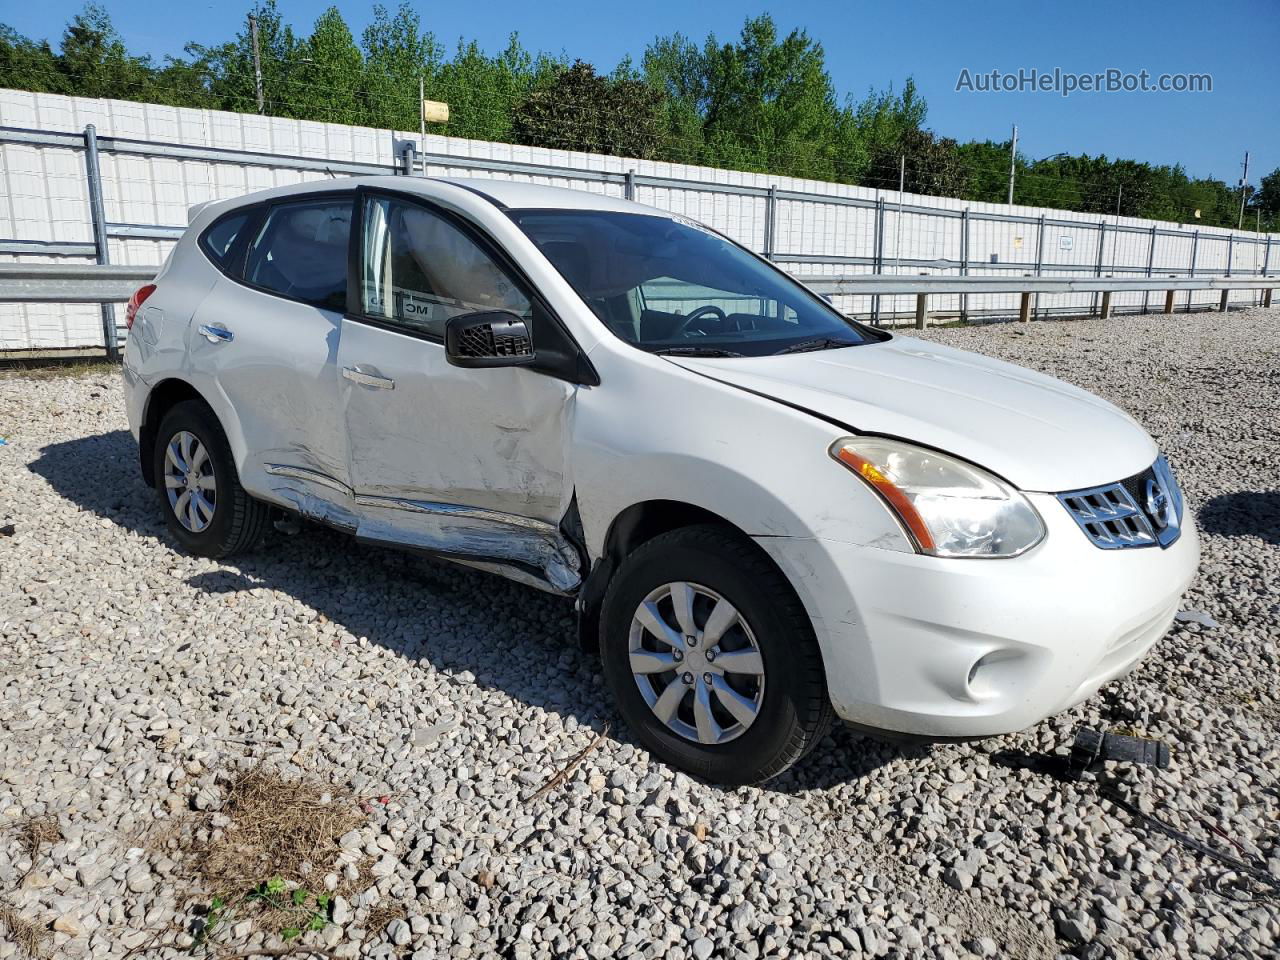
770, 515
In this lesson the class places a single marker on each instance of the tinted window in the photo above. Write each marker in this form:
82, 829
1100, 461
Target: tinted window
419, 269
301, 252
220, 238
668, 284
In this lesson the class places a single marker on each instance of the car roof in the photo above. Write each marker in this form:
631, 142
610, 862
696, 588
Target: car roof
506, 194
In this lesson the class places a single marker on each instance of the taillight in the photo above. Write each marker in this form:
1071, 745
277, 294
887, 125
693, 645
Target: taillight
138, 299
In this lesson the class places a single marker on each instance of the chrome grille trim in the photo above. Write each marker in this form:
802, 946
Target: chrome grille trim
1114, 516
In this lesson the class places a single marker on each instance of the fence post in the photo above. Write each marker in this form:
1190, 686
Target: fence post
1168, 300
1195, 245
1039, 256
1222, 304
922, 309
770, 217
630, 185
1097, 267
879, 258
1105, 312
1151, 262
98, 215
1024, 308
410, 160
964, 262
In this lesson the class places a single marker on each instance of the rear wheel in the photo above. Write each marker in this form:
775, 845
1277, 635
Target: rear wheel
205, 507
712, 658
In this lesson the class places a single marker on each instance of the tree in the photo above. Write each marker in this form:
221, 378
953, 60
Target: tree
330, 75
397, 54
1267, 198
231, 67
580, 110
26, 64
933, 165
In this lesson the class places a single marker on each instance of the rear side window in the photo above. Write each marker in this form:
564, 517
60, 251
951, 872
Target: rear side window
220, 239
301, 252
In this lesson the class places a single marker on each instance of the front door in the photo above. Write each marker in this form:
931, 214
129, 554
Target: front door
469, 463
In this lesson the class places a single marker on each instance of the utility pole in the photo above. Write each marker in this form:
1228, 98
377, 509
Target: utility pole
902, 175
257, 60
1119, 194
422, 114
1244, 182
1013, 161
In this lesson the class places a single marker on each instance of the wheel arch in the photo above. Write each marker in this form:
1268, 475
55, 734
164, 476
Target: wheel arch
163, 397
631, 528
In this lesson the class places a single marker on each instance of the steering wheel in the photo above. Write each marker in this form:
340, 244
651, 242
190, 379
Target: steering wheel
709, 309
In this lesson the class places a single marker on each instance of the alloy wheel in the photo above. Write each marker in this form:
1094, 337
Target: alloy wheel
696, 663
189, 481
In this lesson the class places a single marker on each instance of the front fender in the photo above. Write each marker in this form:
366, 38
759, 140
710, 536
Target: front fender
761, 465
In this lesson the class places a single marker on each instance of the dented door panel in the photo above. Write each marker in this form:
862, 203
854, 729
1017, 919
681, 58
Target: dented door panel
486, 450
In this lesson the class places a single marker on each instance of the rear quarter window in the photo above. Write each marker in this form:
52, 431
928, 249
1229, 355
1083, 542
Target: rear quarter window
218, 241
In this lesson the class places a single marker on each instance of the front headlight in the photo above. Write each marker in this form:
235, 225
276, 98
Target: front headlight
948, 507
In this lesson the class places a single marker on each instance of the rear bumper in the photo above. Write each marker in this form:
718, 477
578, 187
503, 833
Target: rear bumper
970, 648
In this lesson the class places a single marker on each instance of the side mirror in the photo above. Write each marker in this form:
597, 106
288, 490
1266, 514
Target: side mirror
489, 338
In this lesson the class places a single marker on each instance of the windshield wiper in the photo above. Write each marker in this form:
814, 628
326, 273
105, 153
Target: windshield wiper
696, 352
821, 343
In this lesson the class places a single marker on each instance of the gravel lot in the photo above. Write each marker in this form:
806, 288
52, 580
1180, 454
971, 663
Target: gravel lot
134, 680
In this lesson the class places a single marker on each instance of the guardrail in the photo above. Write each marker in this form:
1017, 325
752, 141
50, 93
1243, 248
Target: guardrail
113, 283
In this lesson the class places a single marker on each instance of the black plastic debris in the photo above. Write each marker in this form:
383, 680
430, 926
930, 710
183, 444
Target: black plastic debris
1093, 748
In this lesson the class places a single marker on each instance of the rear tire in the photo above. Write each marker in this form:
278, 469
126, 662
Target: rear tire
204, 505
755, 700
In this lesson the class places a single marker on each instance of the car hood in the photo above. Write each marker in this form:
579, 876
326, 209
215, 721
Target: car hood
1037, 432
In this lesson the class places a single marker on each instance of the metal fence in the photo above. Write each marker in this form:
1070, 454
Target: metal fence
833, 236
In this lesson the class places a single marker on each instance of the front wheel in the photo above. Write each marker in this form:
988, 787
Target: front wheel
204, 506
712, 658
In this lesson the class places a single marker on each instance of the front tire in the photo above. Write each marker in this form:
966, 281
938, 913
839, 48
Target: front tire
712, 658
204, 505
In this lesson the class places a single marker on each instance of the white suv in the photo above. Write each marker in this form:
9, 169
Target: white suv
769, 514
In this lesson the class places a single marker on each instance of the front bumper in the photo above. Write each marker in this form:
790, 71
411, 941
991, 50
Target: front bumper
970, 648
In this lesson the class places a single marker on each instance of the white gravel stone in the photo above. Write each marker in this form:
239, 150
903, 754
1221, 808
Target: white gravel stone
130, 673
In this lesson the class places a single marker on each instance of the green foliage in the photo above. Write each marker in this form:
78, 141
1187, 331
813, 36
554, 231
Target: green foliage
580, 110
762, 102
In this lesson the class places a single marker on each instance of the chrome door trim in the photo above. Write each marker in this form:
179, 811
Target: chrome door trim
459, 511
311, 476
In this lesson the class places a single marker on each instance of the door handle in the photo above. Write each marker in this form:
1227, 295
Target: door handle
356, 375
216, 334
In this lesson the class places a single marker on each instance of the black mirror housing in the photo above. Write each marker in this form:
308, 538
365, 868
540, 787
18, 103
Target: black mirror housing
488, 338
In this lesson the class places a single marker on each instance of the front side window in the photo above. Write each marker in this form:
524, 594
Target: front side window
418, 269
301, 252
669, 285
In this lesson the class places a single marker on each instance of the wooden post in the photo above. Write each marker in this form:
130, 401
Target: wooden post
1222, 304
1024, 309
922, 310
1168, 302
1266, 297
1106, 304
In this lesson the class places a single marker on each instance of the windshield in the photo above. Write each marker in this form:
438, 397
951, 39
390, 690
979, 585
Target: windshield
668, 285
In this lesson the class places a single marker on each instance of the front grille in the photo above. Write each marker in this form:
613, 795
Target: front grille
1130, 512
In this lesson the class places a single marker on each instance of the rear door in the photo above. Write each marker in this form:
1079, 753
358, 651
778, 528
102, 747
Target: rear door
466, 462
268, 334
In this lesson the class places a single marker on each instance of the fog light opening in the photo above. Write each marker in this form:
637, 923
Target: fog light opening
993, 674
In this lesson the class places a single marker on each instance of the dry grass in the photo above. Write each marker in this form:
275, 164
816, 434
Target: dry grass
279, 832
35, 832
15, 368
30, 937
382, 915
277, 825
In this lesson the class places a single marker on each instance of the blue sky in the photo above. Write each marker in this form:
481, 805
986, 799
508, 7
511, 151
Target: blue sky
872, 43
